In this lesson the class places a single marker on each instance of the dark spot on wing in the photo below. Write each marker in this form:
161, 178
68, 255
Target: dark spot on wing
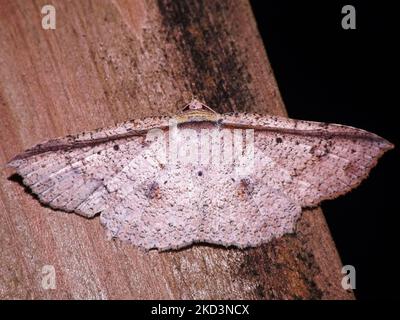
279, 140
246, 187
352, 169
116, 147
153, 191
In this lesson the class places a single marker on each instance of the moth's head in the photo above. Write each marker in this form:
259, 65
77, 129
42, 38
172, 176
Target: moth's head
197, 111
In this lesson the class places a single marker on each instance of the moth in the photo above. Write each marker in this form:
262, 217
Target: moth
234, 179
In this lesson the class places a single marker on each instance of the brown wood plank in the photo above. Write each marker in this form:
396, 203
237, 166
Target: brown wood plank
109, 61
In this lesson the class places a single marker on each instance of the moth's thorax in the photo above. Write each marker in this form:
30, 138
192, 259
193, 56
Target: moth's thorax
196, 111
197, 116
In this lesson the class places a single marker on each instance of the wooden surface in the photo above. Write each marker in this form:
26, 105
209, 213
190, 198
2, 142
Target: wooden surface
109, 61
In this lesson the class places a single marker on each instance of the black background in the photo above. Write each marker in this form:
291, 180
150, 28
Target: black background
326, 73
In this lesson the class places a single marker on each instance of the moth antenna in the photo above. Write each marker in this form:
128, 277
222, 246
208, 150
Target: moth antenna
197, 105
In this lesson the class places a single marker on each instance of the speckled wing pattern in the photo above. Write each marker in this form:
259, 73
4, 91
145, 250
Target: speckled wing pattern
153, 202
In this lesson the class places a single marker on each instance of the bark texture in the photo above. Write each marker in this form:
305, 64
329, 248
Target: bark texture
109, 61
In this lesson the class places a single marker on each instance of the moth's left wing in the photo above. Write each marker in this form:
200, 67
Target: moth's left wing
69, 173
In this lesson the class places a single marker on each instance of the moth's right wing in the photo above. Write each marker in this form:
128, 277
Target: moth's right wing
310, 161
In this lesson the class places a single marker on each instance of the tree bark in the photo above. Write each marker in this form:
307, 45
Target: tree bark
108, 61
